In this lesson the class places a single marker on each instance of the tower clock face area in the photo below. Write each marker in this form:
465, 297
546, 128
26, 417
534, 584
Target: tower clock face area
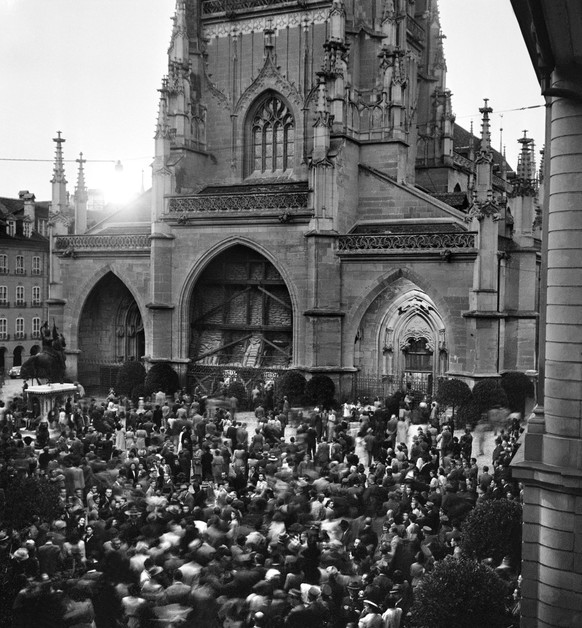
241, 313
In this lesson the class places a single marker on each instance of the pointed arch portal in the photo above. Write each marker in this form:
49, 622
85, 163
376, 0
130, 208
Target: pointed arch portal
241, 313
403, 339
110, 332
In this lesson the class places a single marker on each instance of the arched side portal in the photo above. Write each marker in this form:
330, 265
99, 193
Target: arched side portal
110, 332
402, 340
241, 314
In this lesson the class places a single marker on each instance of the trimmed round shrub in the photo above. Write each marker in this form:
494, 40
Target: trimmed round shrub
320, 390
468, 413
488, 394
162, 377
460, 592
518, 387
291, 385
137, 392
26, 498
131, 374
493, 530
237, 389
452, 392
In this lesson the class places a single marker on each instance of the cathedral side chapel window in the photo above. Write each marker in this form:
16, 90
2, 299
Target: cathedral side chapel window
273, 137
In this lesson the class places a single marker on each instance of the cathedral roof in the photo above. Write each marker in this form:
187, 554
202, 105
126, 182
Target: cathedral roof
464, 139
408, 227
132, 218
459, 200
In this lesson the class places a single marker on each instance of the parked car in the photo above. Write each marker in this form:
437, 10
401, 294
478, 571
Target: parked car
14, 372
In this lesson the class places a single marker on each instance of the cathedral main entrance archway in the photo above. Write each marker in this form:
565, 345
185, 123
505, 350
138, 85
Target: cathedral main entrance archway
241, 320
110, 332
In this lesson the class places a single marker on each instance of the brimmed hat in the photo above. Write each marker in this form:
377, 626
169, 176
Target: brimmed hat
372, 604
20, 554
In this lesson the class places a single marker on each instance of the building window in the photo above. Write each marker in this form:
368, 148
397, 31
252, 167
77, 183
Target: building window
20, 265
26, 229
11, 228
3, 295
3, 329
3, 264
272, 137
36, 295
36, 327
19, 328
41, 227
36, 265
19, 295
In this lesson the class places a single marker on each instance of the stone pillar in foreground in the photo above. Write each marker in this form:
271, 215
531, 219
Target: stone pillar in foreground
551, 468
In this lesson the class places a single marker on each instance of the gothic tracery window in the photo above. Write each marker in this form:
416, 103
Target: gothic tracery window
272, 137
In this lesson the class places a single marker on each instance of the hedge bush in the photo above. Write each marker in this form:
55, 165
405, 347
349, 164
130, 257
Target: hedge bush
162, 377
518, 388
291, 385
237, 389
452, 392
27, 498
320, 390
493, 530
460, 592
131, 374
488, 394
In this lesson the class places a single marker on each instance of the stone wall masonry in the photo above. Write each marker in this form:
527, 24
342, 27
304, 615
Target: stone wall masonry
380, 200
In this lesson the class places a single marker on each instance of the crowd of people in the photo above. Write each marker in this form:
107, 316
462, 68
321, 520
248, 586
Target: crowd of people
176, 513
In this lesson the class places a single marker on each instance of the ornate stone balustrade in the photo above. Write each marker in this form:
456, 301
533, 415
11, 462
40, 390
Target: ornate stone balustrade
463, 161
211, 7
68, 245
407, 242
415, 30
249, 202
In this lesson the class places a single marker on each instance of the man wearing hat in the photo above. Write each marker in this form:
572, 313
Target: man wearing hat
371, 616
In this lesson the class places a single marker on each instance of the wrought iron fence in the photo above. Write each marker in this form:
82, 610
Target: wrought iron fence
367, 386
214, 380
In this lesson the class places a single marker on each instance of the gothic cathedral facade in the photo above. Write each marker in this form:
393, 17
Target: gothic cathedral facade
314, 206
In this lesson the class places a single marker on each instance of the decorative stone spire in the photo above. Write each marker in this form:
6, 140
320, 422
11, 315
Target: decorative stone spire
162, 125
485, 153
59, 168
323, 121
269, 39
337, 21
59, 199
178, 83
178, 51
389, 25
81, 198
440, 64
526, 160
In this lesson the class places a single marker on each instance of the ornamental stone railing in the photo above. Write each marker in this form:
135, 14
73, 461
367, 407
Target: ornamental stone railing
212, 7
414, 29
73, 243
251, 202
459, 160
407, 242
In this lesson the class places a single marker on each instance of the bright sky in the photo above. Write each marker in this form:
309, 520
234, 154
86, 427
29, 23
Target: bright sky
91, 68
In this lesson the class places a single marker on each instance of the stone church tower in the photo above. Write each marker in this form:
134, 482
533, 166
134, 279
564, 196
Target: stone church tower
315, 206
